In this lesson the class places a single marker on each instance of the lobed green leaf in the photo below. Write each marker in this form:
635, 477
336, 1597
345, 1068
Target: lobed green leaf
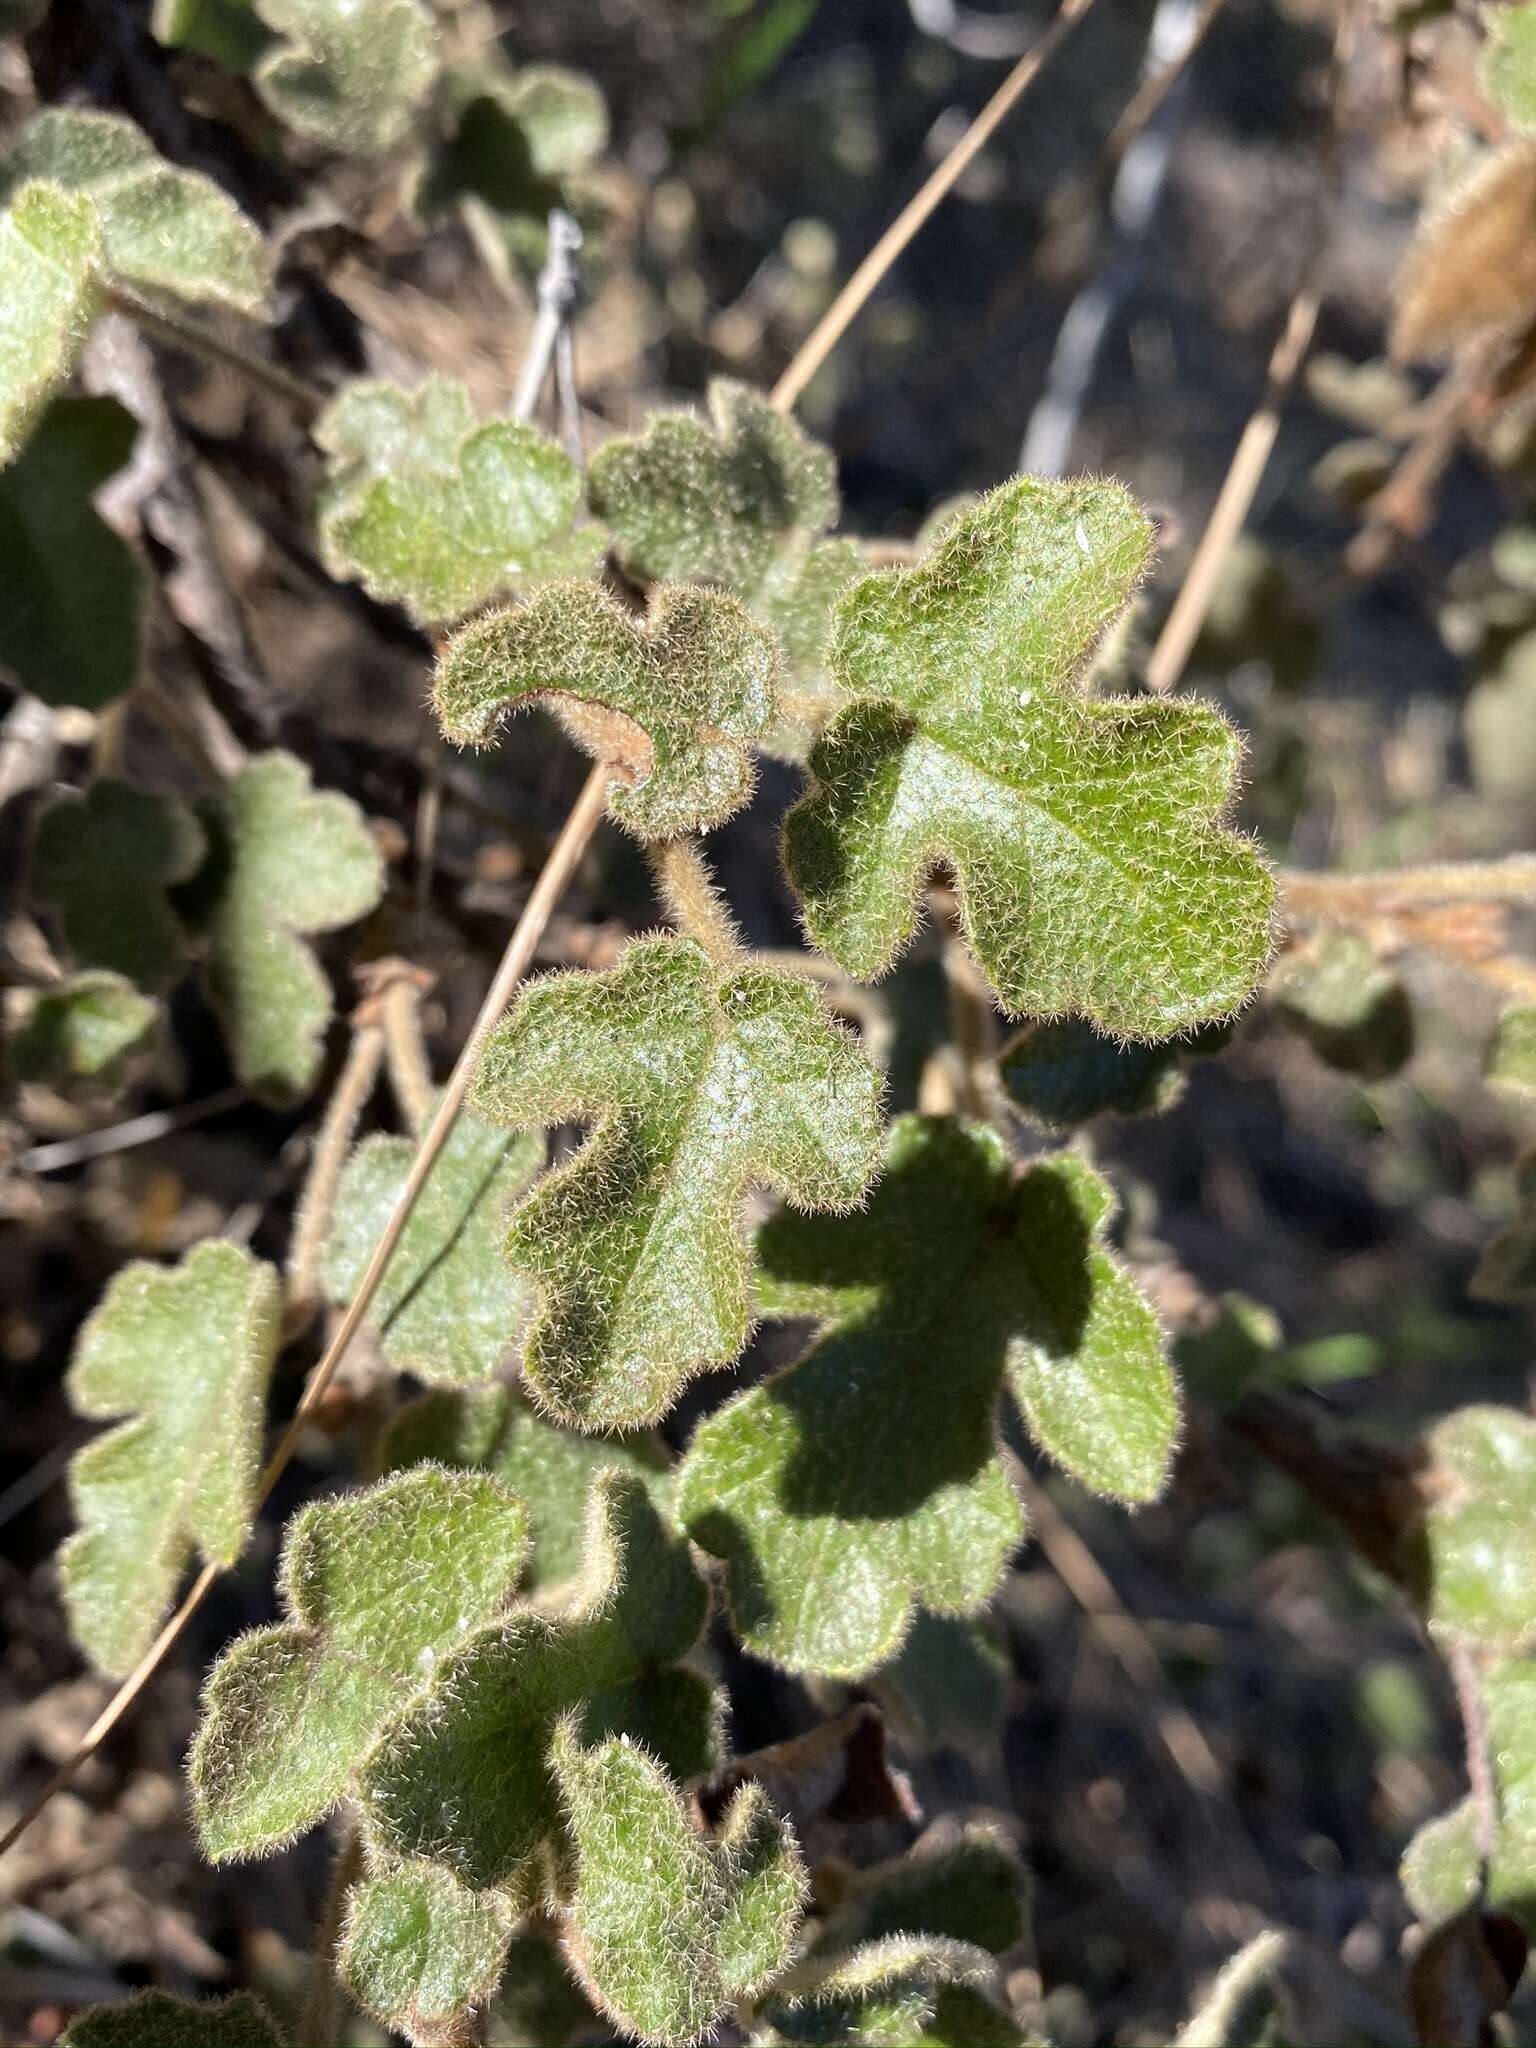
155, 2020
448, 1309
1353, 1011
864, 1481
1061, 1072
423, 1954
956, 1884
72, 629
50, 250
701, 1081
905, 1992
1479, 1533
87, 1029
382, 1587
463, 1779
1441, 1871
105, 862
551, 1469
429, 509
285, 864
1096, 875
665, 1927
187, 1352
348, 74
675, 704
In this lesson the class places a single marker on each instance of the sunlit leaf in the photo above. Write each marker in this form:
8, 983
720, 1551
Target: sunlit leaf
50, 247
422, 1953
1441, 1869
1509, 63
1479, 1536
348, 74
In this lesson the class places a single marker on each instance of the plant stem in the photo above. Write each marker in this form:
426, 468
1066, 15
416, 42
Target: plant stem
559, 290
312, 1217
278, 383
123, 1137
693, 899
319, 2022
410, 1073
1384, 890
565, 857
855, 294
1474, 1723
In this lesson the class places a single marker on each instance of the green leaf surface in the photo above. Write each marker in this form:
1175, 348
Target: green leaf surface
1440, 1870
1479, 1535
700, 1081
904, 1992
348, 74
154, 2020
797, 598
865, 1480
1062, 1073
285, 864
50, 247
163, 229
463, 1780
422, 1954
666, 1927
430, 509
225, 30
1509, 62
448, 1309
551, 1469
71, 627
1512, 1062
1353, 1011
104, 863
85, 1030
187, 1353
676, 704
381, 1586
690, 502
1096, 875
949, 1684
957, 1884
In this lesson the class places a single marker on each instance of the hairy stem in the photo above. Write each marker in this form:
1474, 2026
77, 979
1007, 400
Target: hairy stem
1381, 891
693, 899
405, 1051
1474, 1723
312, 1217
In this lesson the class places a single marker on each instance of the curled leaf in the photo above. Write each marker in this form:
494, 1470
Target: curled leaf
187, 1352
700, 1081
864, 1481
676, 705
1096, 876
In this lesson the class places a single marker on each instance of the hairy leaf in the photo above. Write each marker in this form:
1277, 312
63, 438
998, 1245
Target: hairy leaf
1353, 1011
666, 1927
86, 1029
904, 1992
464, 1779
1509, 64
675, 704
700, 1081
349, 74
448, 1309
105, 861
429, 509
187, 1352
162, 229
286, 863
423, 1954
50, 249
864, 1481
1479, 1536
1096, 876
1241, 2006
1471, 268
959, 1884
1441, 1868
381, 1587
70, 630
1062, 1073
714, 504
549, 1468
154, 2020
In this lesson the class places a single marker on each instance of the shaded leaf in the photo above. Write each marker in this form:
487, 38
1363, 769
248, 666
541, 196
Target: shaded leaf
898, 1993
666, 1927
958, 1884
700, 1081
431, 510
1506, 1271
1471, 269
162, 229
675, 704
71, 629
464, 1778
1352, 1011
1440, 1871
381, 1587
225, 30
1096, 876
349, 74
154, 2020
86, 1029
1509, 62
50, 246
1062, 1072
948, 1684
423, 1954
864, 1480
1462, 1975
187, 1352
104, 862
448, 1309
286, 863
837, 1773
549, 1468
